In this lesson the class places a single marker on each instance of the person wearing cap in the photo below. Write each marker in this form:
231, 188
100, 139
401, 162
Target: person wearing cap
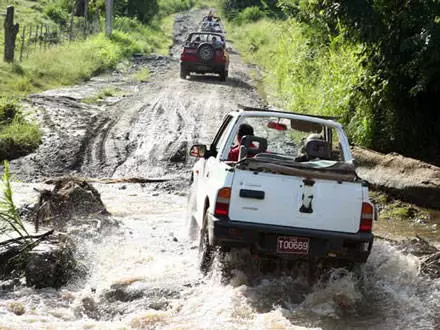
243, 130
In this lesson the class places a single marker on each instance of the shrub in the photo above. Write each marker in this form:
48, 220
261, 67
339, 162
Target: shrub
9, 108
57, 14
250, 14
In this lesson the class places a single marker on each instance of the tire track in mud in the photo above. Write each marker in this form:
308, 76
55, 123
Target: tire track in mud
147, 133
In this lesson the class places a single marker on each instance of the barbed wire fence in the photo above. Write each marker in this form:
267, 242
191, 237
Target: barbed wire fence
34, 37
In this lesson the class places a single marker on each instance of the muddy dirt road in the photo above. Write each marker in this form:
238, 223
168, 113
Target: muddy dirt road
146, 133
143, 274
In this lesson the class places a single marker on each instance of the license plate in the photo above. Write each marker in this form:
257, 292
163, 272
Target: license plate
203, 68
293, 245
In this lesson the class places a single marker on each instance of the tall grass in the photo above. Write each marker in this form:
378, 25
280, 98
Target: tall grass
10, 220
307, 75
80, 60
18, 136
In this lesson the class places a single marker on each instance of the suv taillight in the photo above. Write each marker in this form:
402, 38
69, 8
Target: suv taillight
222, 202
367, 216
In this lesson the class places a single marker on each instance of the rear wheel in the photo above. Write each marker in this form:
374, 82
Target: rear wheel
183, 73
206, 250
224, 75
206, 52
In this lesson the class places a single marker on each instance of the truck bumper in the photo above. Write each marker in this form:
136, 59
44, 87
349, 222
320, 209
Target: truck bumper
199, 67
262, 240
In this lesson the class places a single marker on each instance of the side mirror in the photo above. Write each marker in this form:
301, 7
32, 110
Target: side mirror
198, 150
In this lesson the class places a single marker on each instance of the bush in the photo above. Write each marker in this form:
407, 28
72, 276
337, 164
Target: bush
168, 7
250, 14
17, 136
57, 14
9, 108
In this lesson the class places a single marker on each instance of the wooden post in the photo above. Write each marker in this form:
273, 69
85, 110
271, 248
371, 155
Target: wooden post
46, 37
29, 43
23, 37
108, 18
11, 31
39, 36
71, 20
86, 17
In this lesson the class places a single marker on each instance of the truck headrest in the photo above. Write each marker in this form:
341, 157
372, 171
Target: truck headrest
316, 148
251, 145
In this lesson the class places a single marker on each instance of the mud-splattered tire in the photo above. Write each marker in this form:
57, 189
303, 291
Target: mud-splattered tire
206, 52
224, 75
206, 251
183, 73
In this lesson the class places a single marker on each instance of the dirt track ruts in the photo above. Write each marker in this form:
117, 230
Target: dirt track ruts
146, 133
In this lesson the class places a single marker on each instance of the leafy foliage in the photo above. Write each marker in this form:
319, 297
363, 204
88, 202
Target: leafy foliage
10, 220
392, 89
143, 10
18, 136
249, 14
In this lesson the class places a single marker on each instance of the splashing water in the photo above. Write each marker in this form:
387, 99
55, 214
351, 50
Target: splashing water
144, 275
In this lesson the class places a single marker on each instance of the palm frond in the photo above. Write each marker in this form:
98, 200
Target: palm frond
10, 220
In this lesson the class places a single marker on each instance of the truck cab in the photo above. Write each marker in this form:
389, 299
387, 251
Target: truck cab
292, 192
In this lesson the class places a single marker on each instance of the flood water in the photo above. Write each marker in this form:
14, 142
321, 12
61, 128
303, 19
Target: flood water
143, 274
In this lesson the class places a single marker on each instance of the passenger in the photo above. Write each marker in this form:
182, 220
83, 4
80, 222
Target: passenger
211, 16
243, 130
216, 43
197, 40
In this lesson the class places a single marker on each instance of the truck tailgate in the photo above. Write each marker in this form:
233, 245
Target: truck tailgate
295, 202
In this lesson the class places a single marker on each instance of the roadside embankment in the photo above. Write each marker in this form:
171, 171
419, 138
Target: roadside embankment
408, 179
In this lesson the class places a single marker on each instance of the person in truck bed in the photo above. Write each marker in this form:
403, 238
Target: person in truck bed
243, 130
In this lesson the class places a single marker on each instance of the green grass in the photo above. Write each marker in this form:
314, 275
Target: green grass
305, 74
142, 75
78, 61
106, 92
18, 136
10, 220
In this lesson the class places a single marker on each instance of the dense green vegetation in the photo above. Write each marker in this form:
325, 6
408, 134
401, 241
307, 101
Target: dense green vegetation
373, 63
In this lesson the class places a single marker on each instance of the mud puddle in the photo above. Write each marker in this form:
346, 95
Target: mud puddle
143, 274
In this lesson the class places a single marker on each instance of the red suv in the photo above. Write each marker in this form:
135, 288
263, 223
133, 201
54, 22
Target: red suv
204, 52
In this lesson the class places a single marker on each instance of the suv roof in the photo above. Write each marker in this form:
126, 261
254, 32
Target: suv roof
202, 33
265, 112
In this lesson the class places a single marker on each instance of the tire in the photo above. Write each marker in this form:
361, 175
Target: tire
224, 75
206, 52
206, 251
183, 73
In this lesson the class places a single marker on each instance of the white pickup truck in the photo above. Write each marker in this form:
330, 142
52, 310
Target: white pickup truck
282, 185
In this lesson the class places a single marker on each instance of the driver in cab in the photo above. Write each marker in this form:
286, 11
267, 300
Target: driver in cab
243, 130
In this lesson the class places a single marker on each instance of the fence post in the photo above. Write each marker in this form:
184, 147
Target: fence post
23, 37
29, 43
86, 17
71, 20
11, 31
108, 18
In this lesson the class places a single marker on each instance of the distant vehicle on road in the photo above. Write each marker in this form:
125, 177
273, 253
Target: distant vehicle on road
204, 52
212, 26
286, 189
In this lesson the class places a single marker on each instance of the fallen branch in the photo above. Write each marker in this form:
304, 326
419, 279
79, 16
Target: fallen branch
19, 240
109, 180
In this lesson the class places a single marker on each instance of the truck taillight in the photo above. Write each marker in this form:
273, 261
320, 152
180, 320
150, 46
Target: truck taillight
366, 217
222, 202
